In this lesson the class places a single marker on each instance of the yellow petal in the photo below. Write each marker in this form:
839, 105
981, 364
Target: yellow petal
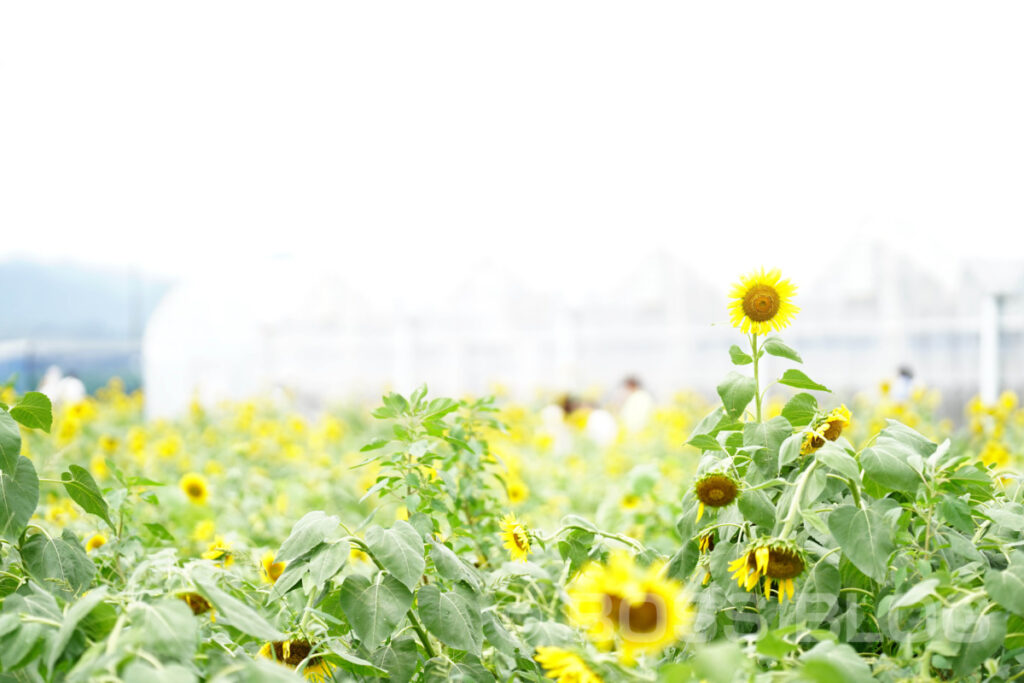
762, 559
700, 511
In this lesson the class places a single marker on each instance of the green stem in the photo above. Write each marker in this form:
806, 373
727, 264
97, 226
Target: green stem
794, 505
636, 545
757, 382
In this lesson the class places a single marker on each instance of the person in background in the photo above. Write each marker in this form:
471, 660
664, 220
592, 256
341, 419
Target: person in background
904, 383
638, 406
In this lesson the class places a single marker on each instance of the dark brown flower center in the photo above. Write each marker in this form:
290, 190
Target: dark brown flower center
643, 618
298, 650
716, 490
196, 603
761, 303
784, 564
521, 540
194, 490
835, 428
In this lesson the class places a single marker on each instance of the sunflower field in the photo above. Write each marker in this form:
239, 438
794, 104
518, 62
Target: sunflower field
771, 534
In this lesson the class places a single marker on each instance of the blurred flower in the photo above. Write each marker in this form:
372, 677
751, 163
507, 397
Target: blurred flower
219, 551
95, 541
270, 570
195, 487
564, 666
293, 653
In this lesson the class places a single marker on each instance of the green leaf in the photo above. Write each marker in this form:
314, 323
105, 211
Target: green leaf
19, 496
314, 528
738, 356
736, 392
236, 613
450, 617
776, 347
374, 609
84, 490
164, 628
800, 410
60, 564
865, 539
798, 380
451, 566
72, 616
829, 662
1007, 587
400, 550
325, 564
10, 442
705, 443
789, 451
399, 658
838, 460
769, 436
817, 596
757, 508
34, 411
981, 634
357, 665
469, 669
916, 594
886, 464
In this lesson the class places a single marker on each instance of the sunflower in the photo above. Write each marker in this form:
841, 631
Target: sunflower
196, 602
517, 491
195, 487
515, 537
292, 653
836, 421
95, 541
776, 560
270, 571
219, 551
995, 454
814, 439
762, 302
623, 605
715, 490
564, 666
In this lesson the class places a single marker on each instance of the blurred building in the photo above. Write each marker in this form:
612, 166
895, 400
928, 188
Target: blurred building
286, 327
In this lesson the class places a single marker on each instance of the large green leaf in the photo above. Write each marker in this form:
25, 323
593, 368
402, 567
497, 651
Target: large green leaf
777, 347
1007, 587
738, 356
888, 468
400, 550
736, 391
800, 409
84, 490
10, 442
19, 495
451, 617
314, 528
375, 608
165, 628
399, 658
769, 436
34, 411
60, 564
797, 379
864, 538
236, 613
838, 460
981, 634
72, 616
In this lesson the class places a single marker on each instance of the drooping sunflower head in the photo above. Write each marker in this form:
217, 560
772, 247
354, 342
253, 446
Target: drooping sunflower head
630, 608
292, 653
762, 302
778, 561
836, 421
195, 487
707, 542
564, 666
196, 602
715, 490
515, 537
270, 571
813, 439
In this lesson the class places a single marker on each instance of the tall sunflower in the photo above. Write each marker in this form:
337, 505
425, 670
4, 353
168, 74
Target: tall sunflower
762, 302
715, 490
516, 538
629, 608
292, 653
564, 666
776, 560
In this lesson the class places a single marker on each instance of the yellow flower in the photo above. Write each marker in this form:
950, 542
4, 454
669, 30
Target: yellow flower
196, 602
836, 421
627, 607
203, 530
517, 491
762, 302
995, 455
775, 560
195, 487
270, 570
813, 439
95, 541
108, 444
219, 551
564, 666
715, 490
169, 447
630, 502
293, 653
98, 466
515, 537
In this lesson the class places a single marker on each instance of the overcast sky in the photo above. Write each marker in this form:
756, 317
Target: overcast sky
560, 139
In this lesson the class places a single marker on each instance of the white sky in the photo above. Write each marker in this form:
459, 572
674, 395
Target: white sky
562, 139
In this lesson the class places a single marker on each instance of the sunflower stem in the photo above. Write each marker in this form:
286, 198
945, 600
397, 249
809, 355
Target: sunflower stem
794, 505
757, 383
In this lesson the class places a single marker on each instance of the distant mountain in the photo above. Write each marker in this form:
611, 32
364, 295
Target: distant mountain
73, 301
